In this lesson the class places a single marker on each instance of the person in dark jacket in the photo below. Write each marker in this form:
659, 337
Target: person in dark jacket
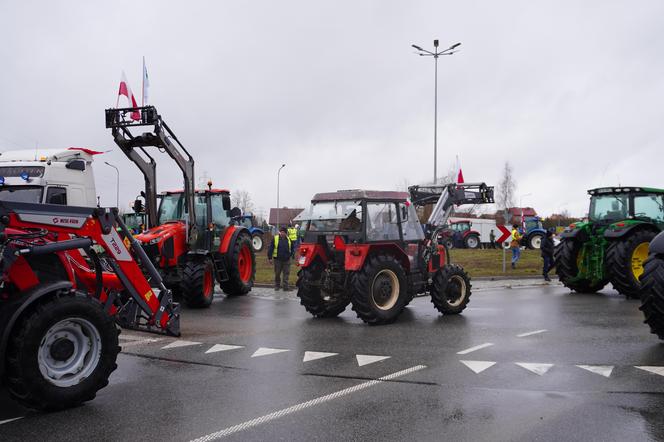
547, 254
280, 252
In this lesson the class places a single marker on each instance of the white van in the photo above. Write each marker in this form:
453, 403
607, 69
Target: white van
53, 176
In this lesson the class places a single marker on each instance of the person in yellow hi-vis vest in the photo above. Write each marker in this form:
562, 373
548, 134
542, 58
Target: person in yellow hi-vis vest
280, 252
293, 235
515, 245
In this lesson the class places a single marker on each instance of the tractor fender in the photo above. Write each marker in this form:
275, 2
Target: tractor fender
356, 254
12, 311
309, 252
575, 234
626, 230
657, 245
256, 231
230, 236
471, 232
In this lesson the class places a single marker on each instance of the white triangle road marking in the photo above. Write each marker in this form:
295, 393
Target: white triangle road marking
263, 351
222, 347
369, 359
602, 370
651, 369
313, 355
538, 369
180, 343
478, 366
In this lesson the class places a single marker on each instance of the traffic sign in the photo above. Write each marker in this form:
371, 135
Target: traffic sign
505, 234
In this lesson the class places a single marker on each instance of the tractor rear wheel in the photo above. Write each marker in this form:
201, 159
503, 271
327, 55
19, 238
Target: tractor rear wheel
314, 299
652, 295
624, 261
378, 291
241, 268
567, 257
61, 352
472, 242
450, 289
535, 241
197, 285
257, 242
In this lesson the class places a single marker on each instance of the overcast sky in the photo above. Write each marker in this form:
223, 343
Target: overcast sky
571, 93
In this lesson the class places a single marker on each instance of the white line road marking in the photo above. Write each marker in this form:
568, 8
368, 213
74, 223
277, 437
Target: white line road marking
472, 349
313, 355
301, 406
478, 366
140, 342
222, 347
11, 420
369, 359
267, 351
538, 369
651, 369
180, 343
523, 335
603, 370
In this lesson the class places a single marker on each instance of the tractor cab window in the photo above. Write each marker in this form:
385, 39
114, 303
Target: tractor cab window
649, 206
410, 224
56, 195
219, 216
608, 208
334, 216
382, 223
460, 227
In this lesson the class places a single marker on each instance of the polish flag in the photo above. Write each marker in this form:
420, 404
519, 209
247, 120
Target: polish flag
460, 175
125, 90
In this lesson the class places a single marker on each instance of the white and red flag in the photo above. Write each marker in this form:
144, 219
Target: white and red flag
125, 90
460, 175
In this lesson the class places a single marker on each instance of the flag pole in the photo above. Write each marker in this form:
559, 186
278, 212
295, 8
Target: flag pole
143, 84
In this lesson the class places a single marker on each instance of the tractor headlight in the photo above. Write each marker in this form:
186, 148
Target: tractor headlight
153, 241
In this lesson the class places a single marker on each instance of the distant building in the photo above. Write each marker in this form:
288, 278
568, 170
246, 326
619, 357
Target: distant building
514, 215
283, 216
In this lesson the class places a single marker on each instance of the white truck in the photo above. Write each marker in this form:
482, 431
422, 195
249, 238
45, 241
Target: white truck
53, 176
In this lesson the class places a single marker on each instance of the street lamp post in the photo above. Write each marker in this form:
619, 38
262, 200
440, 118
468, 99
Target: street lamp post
278, 176
523, 224
435, 54
117, 185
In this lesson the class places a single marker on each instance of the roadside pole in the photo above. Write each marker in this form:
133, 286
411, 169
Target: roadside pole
503, 247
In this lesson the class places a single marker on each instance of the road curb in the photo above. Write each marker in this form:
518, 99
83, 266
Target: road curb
473, 278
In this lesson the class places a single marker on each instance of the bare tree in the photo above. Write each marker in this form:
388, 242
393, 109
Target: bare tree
506, 188
241, 198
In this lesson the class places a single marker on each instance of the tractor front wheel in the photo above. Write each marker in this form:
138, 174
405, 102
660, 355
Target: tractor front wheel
62, 352
652, 295
624, 261
450, 289
314, 299
257, 242
378, 291
197, 286
535, 241
567, 257
241, 268
472, 242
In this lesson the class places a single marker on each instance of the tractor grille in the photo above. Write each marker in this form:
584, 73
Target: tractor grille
152, 250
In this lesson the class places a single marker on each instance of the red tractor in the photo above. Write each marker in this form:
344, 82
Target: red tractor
368, 249
192, 235
463, 233
60, 301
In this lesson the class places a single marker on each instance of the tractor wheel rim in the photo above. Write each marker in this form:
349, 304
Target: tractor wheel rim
472, 242
69, 352
456, 291
638, 256
244, 264
536, 242
208, 284
385, 289
257, 242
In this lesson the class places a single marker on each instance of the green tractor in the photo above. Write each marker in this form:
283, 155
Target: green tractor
613, 243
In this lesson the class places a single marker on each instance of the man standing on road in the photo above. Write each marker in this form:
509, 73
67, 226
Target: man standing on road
547, 254
515, 245
281, 251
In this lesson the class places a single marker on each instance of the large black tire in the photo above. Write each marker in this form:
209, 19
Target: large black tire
378, 290
652, 295
472, 242
535, 241
197, 285
565, 258
624, 261
241, 268
257, 242
314, 299
450, 289
35, 338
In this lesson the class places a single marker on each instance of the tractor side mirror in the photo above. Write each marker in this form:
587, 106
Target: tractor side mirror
235, 212
138, 206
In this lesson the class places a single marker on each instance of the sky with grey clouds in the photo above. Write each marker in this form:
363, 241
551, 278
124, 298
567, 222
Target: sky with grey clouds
570, 92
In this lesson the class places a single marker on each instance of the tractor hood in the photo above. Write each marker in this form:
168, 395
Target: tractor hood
161, 233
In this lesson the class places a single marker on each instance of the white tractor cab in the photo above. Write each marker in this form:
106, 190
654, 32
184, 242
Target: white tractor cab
53, 176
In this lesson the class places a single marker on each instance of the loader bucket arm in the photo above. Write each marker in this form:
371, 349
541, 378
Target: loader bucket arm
446, 196
162, 137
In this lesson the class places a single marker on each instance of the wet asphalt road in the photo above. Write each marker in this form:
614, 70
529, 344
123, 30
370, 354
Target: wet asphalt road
194, 387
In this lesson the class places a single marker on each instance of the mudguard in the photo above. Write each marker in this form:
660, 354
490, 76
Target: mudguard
577, 234
657, 245
11, 311
624, 230
308, 252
